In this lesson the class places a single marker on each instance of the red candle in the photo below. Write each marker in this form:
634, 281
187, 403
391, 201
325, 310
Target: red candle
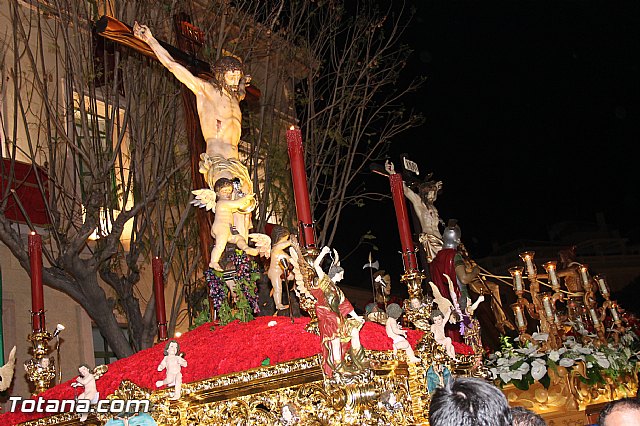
37, 297
158, 289
408, 253
300, 191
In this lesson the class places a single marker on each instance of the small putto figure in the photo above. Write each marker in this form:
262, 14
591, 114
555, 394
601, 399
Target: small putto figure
221, 201
86, 379
397, 334
279, 264
437, 328
173, 362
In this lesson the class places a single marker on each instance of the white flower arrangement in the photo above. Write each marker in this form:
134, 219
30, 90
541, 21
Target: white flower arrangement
528, 364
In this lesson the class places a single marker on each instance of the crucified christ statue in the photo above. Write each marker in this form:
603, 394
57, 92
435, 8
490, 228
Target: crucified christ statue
218, 105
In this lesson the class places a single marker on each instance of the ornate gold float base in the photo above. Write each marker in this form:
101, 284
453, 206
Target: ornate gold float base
568, 399
391, 393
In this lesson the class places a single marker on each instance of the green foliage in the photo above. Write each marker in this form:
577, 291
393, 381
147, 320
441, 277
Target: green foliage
203, 316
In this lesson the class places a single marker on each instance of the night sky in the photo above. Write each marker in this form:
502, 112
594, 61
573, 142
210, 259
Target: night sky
532, 117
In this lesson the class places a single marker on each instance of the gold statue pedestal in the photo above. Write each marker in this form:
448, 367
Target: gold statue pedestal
568, 400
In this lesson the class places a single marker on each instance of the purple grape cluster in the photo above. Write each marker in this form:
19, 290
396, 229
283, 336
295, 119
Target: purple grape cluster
216, 287
244, 270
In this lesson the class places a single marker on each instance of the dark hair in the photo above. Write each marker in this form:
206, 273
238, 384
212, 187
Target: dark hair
228, 63
222, 183
166, 347
621, 404
524, 417
469, 402
278, 233
436, 313
87, 366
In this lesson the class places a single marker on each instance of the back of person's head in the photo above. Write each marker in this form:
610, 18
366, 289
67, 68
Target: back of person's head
469, 402
623, 412
523, 417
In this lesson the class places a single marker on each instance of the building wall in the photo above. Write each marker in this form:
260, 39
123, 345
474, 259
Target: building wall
76, 341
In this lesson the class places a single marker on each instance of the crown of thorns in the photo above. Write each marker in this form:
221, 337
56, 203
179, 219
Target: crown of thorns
227, 63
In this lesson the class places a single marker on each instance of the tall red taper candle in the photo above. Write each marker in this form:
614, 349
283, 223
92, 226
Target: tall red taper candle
408, 252
37, 297
300, 190
158, 290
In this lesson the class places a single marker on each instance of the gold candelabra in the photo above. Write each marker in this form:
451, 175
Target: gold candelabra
582, 308
41, 369
541, 307
413, 280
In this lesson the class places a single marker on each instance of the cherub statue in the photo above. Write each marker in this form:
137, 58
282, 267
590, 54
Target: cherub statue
444, 304
466, 318
338, 323
418, 311
220, 201
279, 259
437, 328
87, 379
173, 361
397, 334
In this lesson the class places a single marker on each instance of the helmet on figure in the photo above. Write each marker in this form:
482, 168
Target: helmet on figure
451, 235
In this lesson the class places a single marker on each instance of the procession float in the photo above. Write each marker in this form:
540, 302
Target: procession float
570, 348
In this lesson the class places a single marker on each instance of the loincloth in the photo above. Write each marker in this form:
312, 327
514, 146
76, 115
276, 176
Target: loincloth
212, 166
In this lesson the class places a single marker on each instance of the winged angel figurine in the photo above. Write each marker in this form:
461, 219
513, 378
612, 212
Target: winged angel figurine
339, 326
274, 248
219, 200
87, 380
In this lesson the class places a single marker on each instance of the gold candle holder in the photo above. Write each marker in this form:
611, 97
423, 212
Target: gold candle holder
413, 280
551, 267
603, 286
548, 306
41, 369
575, 310
614, 312
518, 286
527, 257
521, 320
584, 276
595, 318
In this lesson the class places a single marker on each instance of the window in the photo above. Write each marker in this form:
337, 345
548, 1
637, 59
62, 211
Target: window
101, 350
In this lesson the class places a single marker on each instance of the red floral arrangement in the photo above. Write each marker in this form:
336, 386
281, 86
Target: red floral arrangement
235, 347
